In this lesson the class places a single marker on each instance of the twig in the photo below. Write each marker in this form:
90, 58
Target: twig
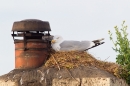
56, 62
71, 75
106, 58
69, 57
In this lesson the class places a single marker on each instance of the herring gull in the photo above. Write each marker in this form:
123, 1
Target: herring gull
58, 44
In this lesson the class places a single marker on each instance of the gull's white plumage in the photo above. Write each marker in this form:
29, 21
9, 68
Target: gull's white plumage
58, 44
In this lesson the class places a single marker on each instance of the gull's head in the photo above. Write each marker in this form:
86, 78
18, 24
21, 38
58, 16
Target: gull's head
57, 39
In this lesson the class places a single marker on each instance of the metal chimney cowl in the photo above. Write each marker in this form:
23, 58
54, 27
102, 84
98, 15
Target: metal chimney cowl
31, 51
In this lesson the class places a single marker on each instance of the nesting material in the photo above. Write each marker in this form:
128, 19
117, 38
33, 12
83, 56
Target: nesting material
73, 59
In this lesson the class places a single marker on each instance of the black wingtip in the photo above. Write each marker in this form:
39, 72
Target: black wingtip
97, 44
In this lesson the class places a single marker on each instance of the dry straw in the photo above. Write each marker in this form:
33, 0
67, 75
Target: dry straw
73, 59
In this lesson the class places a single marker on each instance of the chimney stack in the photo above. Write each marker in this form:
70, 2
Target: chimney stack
31, 51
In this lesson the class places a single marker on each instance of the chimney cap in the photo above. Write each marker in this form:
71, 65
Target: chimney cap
31, 25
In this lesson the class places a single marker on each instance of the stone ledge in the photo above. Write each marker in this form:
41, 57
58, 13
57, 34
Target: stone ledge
76, 82
66, 82
8, 83
88, 82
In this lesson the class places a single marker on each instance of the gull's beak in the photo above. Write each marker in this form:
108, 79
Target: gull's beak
53, 41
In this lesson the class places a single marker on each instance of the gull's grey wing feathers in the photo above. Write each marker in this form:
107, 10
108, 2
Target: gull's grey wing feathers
75, 45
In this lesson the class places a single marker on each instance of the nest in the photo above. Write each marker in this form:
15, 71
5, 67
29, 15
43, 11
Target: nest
74, 59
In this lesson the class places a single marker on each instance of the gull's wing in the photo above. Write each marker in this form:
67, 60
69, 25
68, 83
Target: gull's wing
76, 45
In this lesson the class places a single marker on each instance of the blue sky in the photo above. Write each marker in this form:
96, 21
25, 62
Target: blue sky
73, 19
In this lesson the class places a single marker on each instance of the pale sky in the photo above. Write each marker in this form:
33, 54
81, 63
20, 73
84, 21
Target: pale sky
73, 19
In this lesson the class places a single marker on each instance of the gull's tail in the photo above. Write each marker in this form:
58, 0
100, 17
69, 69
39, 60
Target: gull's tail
98, 40
97, 43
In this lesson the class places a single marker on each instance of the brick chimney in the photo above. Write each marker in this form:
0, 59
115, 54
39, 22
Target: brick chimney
31, 51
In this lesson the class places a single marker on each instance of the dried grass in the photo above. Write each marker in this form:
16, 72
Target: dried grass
73, 59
